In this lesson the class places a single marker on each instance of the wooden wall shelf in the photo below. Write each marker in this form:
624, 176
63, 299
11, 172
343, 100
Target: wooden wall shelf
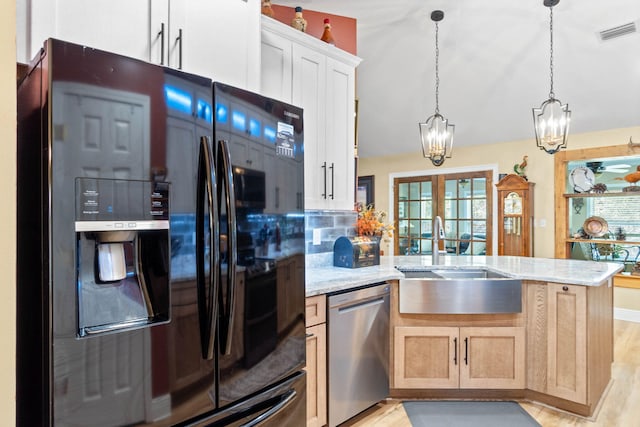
626, 281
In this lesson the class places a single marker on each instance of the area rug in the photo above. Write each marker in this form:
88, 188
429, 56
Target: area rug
467, 413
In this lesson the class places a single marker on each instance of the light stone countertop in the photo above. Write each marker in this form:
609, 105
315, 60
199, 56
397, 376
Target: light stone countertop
322, 280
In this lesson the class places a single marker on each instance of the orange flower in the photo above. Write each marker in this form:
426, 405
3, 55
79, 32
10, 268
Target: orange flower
372, 223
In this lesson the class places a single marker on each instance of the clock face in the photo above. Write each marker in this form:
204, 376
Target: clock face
582, 179
512, 204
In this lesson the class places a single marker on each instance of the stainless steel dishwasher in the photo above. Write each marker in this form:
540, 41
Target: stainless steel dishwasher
358, 351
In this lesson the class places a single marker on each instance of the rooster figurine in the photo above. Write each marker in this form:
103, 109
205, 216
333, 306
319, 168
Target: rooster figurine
520, 169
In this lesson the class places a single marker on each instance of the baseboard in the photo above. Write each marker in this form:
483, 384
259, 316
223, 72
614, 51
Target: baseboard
626, 314
159, 408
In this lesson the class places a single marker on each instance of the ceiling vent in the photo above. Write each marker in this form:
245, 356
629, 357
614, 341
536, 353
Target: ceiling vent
619, 31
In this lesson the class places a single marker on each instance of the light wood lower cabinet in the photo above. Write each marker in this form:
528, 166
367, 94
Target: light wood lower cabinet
316, 316
451, 357
570, 341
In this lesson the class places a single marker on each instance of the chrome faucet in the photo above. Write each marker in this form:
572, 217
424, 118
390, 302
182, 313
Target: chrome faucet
438, 234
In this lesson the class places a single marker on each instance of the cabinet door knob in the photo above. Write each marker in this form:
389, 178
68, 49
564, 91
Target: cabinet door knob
565, 288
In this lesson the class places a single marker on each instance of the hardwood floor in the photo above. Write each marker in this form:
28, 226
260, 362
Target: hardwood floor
620, 406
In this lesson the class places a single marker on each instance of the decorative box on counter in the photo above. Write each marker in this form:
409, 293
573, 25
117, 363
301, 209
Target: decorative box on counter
355, 252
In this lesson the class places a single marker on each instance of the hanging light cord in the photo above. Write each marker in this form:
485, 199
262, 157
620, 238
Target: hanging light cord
437, 73
551, 94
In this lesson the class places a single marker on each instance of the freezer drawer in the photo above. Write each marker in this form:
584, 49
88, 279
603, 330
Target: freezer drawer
358, 351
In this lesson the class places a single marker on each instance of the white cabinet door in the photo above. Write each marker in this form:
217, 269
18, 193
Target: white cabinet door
119, 26
309, 79
340, 133
219, 39
276, 57
99, 24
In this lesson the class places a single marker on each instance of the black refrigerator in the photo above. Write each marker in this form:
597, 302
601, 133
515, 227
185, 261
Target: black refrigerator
160, 247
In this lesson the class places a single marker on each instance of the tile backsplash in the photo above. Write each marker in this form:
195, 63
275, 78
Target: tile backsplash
330, 225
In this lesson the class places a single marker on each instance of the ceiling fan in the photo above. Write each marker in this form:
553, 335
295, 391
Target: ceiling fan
598, 168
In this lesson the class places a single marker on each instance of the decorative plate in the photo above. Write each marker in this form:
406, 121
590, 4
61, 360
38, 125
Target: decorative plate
582, 179
595, 226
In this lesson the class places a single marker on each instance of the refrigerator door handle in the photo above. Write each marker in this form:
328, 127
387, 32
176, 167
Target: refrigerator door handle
207, 306
285, 400
224, 165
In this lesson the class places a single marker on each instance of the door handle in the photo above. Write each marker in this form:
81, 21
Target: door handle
284, 400
455, 351
179, 41
332, 181
361, 304
466, 351
324, 167
161, 35
223, 161
206, 301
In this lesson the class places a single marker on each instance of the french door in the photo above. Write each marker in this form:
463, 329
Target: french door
462, 200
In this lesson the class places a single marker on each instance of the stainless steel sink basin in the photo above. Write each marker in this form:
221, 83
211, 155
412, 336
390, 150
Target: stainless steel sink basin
459, 291
454, 274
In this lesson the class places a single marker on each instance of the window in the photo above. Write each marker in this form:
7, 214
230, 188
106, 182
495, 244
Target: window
463, 201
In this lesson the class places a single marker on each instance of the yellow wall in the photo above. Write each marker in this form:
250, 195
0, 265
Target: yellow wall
7, 213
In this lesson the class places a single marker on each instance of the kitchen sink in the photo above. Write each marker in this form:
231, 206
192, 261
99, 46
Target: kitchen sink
453, 274
459, 291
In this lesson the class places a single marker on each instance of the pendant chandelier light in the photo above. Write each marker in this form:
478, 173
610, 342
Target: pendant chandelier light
436, 132
551, 120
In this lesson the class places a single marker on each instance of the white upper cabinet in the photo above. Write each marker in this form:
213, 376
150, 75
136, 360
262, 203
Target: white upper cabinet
320, 78
219, 39
118, 26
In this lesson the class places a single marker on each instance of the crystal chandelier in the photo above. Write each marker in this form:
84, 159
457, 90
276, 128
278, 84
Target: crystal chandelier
551, 120
436, 132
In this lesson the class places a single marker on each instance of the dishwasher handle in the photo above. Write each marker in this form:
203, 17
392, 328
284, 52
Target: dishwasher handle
361, 304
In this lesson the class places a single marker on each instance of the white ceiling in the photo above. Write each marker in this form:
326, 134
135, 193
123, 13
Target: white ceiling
494, 67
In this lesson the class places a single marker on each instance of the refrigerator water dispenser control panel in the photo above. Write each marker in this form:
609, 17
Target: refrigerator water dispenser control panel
123, 254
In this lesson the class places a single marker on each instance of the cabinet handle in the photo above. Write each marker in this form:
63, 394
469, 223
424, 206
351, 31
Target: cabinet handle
310, 335
331, 167
466, 351
179, 41
455, 351
161, 35
324, 167
565, 288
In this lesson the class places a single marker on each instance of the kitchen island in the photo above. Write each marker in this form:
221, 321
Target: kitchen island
557, 350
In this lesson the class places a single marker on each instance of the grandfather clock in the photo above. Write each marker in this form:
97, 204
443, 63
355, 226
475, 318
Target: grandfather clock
515, 216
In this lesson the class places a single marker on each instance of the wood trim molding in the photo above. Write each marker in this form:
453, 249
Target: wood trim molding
560, 178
